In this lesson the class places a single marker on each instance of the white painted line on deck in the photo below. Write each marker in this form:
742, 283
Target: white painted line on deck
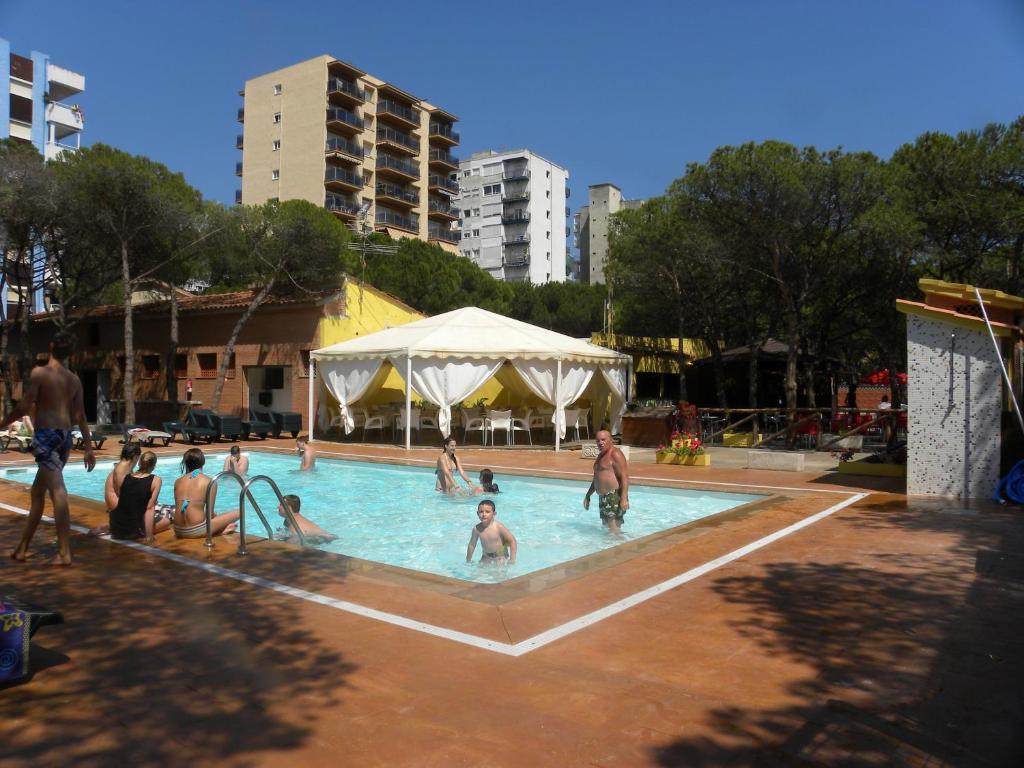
509, 649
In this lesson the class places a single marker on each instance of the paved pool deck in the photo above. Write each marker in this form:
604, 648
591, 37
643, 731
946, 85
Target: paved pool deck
836, 623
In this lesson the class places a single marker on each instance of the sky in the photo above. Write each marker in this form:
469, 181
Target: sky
620, 92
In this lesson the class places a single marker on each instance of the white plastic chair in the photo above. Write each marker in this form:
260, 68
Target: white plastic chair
500, 420
572, 418
583, 420
372, 422
472, 423
429, 422
521, 425
414, 422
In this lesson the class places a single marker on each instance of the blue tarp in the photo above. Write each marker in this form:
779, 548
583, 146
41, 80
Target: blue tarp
1011, 487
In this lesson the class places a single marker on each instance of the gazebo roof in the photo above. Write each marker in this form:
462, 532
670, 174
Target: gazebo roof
472, 333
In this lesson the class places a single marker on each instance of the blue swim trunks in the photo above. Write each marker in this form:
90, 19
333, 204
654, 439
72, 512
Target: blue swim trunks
51, 447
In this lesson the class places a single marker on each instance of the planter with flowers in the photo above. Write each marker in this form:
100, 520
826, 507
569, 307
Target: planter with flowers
685, 448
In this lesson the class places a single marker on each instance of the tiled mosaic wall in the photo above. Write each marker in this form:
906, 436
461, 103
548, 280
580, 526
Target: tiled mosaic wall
953, 438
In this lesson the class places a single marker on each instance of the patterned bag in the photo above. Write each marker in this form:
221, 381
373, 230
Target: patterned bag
14, 642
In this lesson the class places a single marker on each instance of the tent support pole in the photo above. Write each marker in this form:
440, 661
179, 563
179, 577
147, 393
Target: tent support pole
309, 404
408, 400
558, 400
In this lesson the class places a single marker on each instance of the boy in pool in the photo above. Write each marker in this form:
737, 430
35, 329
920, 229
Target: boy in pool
487, 484
305, 450
311, 532
497, 541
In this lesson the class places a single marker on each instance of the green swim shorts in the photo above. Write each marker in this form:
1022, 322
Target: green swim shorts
610, 509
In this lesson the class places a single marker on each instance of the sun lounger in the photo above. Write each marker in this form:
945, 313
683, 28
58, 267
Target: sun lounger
199, 428
22, 442
256, 426
283, 421
224, 425
145, 436
79, 440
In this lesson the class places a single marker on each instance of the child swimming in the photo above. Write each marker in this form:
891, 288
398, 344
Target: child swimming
497, 541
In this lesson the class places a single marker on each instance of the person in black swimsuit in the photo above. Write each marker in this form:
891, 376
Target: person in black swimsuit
133, 517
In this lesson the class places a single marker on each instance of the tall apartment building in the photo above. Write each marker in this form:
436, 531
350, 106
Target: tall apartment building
514, 216
373, 154
590, 227
35, 110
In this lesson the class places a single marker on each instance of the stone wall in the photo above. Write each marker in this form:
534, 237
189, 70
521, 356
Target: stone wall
954, 415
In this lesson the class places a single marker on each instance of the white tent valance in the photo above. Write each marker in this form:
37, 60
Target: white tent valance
447, 357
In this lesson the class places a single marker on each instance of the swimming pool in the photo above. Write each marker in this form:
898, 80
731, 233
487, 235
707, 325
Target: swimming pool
391, 513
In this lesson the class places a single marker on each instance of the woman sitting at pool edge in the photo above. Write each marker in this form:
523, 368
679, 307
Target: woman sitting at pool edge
190, 501
447, 465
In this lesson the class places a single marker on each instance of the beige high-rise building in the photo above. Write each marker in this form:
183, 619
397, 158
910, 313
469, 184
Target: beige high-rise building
590, 226
376, 156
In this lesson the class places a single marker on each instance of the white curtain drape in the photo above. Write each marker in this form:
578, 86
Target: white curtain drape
540, 376
446, 381
348, 381
616, 379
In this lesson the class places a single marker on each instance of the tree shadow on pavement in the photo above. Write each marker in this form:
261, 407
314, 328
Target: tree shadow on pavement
916, 655
168, 664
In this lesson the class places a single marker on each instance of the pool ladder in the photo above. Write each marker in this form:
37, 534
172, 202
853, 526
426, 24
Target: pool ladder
242, 496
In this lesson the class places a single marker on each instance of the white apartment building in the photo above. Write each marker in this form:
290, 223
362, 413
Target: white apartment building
513, 215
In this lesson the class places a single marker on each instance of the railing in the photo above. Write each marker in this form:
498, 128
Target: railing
387, 161
238, 197
517, 260
397, 220
513, 241
440, 129
801, 423
238, 141
515, 217
241, 114
344, 176
442, 206
390, 134
387, 106
208, 503
443, 156
337, 114
238, 168
439, 233
339, 204
516, 173
441, 181
513, 196
241, 511
336, 84
338, 144
401, 193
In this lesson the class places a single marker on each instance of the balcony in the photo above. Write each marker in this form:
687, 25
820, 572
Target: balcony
403, 142
342, 206
397, 194
401, 112
238, 168
444, 134
441, 208
392, 219
444, 184
238, 197
515, 217
345, 92
342, 178
444, 158
241, 114
443, 234
63, 83
567, 193
54, 150
238, 141
511, 242
342, 119
512, 196
338, 148
397, 167
66, 120
520, 259
511, 174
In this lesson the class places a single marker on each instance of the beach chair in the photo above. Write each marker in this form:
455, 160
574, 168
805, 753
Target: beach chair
144, 435
283, 421
198, 428
22, 442
223, 424
256, 426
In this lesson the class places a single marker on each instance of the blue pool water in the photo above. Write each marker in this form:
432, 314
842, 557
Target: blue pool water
391, 514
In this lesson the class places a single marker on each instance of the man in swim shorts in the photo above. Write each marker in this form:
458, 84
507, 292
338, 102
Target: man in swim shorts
56, 394
611, 483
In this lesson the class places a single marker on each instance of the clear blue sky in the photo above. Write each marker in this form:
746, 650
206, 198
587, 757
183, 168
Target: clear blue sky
626, 92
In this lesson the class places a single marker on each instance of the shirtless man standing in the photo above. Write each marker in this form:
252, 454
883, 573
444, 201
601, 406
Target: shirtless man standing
611, 481
56, 394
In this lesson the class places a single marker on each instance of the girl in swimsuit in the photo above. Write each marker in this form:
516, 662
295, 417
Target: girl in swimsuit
134, 516
447, 465
190, 501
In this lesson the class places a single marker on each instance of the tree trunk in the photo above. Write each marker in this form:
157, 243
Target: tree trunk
812, 400
5, 366
752, 375
128, 379
681, 358
172, 350
222, 369
718, 367
792, 355
24, 324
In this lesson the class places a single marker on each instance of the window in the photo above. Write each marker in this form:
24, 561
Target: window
547, 194
181, 366
151, 366
207, 362
277, 89
465, 173
277, 117
492, 189
230, 374
476, 233
547, 174
277, 144
465, 235
476, 211
547, 235
465, 213
547, 214
304, 362
275, 175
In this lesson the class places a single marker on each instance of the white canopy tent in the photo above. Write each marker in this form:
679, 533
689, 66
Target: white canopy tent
447, 357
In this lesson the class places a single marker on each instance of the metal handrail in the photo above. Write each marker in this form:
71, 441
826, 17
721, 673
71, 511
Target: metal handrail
241, 512
208, 503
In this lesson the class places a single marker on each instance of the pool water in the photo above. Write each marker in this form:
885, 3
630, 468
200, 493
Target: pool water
391, 514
